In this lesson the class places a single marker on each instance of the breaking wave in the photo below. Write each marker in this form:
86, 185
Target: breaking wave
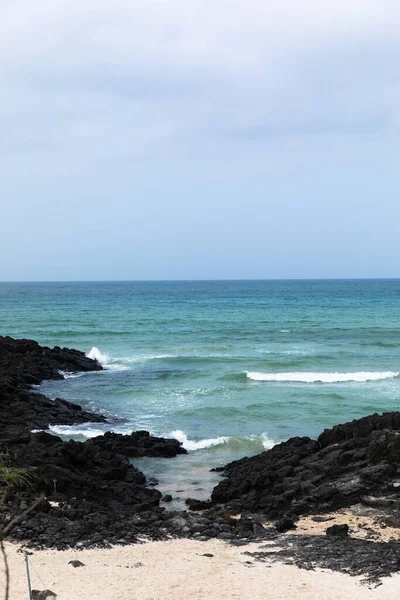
304, 377
95, 354
253, 443
201, 444
267, 442
105, 361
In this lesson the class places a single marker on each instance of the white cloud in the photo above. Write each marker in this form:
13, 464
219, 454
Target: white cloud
151, 77
193, 33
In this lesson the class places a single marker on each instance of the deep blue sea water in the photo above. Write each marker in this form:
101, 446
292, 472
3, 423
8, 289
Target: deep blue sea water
228, 367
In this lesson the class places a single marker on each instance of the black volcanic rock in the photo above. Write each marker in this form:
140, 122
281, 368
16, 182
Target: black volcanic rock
43, 594
138, 443
194, 504
25, 410
84, 471
101, 495
341, 531
101, 499
369, 559
24, 363
303, 476
285, 524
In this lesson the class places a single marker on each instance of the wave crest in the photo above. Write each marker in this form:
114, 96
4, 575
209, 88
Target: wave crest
267, 442
254, 443
201, 444
304, 377
95, 354
110, 364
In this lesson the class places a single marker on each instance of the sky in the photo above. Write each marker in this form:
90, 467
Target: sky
199, 139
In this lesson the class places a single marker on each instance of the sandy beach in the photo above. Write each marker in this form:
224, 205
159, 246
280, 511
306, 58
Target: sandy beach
179, 569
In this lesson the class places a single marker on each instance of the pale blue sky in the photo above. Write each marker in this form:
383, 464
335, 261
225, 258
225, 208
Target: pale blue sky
199, 139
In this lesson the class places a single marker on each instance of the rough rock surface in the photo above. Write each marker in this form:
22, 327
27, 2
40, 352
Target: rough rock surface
338, 530
24, 363
101, 499
369, 559
98, 490
301, 476
138, 443
43, 594
82, 470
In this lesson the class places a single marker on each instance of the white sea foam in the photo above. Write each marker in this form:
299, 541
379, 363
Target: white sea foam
110, 364
95, 354
86, 430
201, 444
69, 375
298, 352
145, 357
115, 366
304, 377
267, 442
66, 430
123, 363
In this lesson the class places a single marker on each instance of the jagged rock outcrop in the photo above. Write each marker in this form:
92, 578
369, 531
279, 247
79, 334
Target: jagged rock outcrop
24, 363
138, 443
83, 470
100, 491
101, 499
302, 476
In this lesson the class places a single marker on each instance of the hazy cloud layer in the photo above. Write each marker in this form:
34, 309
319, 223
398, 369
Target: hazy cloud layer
174, 139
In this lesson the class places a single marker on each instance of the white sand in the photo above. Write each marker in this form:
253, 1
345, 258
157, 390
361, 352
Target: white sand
176, 570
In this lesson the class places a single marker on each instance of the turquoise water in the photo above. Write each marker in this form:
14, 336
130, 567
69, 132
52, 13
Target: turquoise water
227, 367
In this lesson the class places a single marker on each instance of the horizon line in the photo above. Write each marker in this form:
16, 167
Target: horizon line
200, 280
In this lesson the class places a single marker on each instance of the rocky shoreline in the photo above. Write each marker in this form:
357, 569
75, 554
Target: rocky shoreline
102, 499
23, 363
350, 463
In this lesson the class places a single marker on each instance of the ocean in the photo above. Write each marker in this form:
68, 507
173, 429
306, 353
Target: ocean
227, 367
